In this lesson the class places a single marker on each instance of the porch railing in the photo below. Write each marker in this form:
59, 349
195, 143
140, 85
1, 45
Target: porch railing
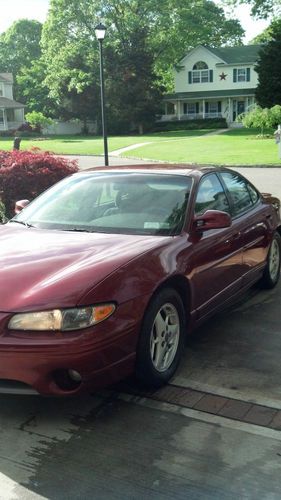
189, 116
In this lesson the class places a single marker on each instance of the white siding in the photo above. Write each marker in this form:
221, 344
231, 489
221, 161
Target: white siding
8, 90
202, 54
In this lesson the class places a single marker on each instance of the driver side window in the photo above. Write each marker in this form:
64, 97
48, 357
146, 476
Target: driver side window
211, 196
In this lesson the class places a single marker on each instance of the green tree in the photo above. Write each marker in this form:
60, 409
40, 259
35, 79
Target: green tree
19, 47
268, 92
143, 42
37, 120
262, 118
260, 8
34, 92
264, 37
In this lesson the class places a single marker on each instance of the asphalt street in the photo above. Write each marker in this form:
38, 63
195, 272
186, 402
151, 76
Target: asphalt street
266, 179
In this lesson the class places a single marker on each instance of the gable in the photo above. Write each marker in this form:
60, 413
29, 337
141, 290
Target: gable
201, 53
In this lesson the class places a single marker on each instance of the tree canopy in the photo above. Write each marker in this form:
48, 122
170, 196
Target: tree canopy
143, 42
260, 8
268, 92
19, 47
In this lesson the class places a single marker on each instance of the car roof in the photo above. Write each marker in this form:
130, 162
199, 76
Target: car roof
158, 168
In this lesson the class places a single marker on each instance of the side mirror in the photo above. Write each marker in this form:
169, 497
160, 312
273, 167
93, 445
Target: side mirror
211, 219
20, 205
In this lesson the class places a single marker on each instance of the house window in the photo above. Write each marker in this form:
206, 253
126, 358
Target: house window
170, 108
1, 90
213, 108
10, 115
200, 73
191, 108
1, 116
242, 74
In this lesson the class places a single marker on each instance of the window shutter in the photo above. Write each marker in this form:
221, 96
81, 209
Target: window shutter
248, 74
206, 107
197, 108
219, 106
235, 75
189, 77
211, 75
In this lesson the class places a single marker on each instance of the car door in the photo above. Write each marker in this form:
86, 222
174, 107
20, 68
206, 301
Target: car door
254, 218
216, 259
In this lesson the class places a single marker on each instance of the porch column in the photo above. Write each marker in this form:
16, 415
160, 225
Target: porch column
5, 121
229, 111
179, 109
203, 109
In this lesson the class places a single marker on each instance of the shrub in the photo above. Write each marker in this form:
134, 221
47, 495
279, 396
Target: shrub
26, 130
7, 133
37, 120
26, 174
263, 118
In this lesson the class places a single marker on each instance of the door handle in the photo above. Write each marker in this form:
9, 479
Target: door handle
234, 237
237, 235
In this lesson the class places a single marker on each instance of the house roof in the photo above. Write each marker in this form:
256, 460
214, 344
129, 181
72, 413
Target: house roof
7, 77
6, 103
209, 94
241, 54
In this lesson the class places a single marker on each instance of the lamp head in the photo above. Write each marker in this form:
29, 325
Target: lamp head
100, 30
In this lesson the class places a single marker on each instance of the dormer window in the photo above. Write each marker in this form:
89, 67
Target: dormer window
200, 73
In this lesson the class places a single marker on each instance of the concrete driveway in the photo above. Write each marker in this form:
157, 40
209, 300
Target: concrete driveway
183, 442
213, 433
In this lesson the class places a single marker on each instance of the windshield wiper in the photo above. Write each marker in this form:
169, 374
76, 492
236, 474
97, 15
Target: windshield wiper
75, 229
26, 224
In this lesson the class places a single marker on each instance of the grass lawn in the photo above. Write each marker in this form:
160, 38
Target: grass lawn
235, 147
89, 145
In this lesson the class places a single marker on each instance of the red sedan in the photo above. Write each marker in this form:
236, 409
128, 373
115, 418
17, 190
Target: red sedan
105, 273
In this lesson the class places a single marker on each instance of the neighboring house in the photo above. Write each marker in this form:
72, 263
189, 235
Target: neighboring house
11, 112
214, 83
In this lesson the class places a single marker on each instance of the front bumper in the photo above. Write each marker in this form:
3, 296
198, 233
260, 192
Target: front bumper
101, 355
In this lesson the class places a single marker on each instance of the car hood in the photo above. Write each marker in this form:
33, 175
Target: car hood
48, 269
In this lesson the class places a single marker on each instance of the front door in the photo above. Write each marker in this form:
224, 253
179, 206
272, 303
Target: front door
238, 108
217, 259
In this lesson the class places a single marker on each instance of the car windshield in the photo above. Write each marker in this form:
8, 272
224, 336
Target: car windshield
127, 203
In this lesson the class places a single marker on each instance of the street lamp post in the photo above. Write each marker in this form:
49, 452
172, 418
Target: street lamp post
100, 34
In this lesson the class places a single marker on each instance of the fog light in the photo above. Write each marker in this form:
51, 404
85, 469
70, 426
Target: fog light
74, 375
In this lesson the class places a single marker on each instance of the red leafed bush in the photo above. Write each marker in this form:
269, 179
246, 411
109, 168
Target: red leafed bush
26, 174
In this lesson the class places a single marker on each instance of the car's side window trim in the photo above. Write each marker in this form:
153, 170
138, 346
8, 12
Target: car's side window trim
244, 212
204, 177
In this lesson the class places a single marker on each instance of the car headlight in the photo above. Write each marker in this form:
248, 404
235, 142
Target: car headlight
63, 320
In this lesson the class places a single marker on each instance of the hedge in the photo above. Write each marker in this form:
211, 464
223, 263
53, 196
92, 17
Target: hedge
208, 123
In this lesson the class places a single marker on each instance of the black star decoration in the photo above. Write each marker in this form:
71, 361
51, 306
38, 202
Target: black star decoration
223, 76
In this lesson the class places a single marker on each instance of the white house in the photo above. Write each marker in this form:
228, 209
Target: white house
11, 112
213, 83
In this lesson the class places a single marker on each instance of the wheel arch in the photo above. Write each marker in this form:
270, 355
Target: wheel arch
278, 229
182, 286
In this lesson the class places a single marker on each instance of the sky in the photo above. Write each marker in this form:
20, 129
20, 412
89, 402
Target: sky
12, 10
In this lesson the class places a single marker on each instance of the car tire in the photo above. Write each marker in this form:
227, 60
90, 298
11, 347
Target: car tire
272, 270
161, 340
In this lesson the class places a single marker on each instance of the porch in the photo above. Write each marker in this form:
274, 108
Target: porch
11, 114
194, 106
